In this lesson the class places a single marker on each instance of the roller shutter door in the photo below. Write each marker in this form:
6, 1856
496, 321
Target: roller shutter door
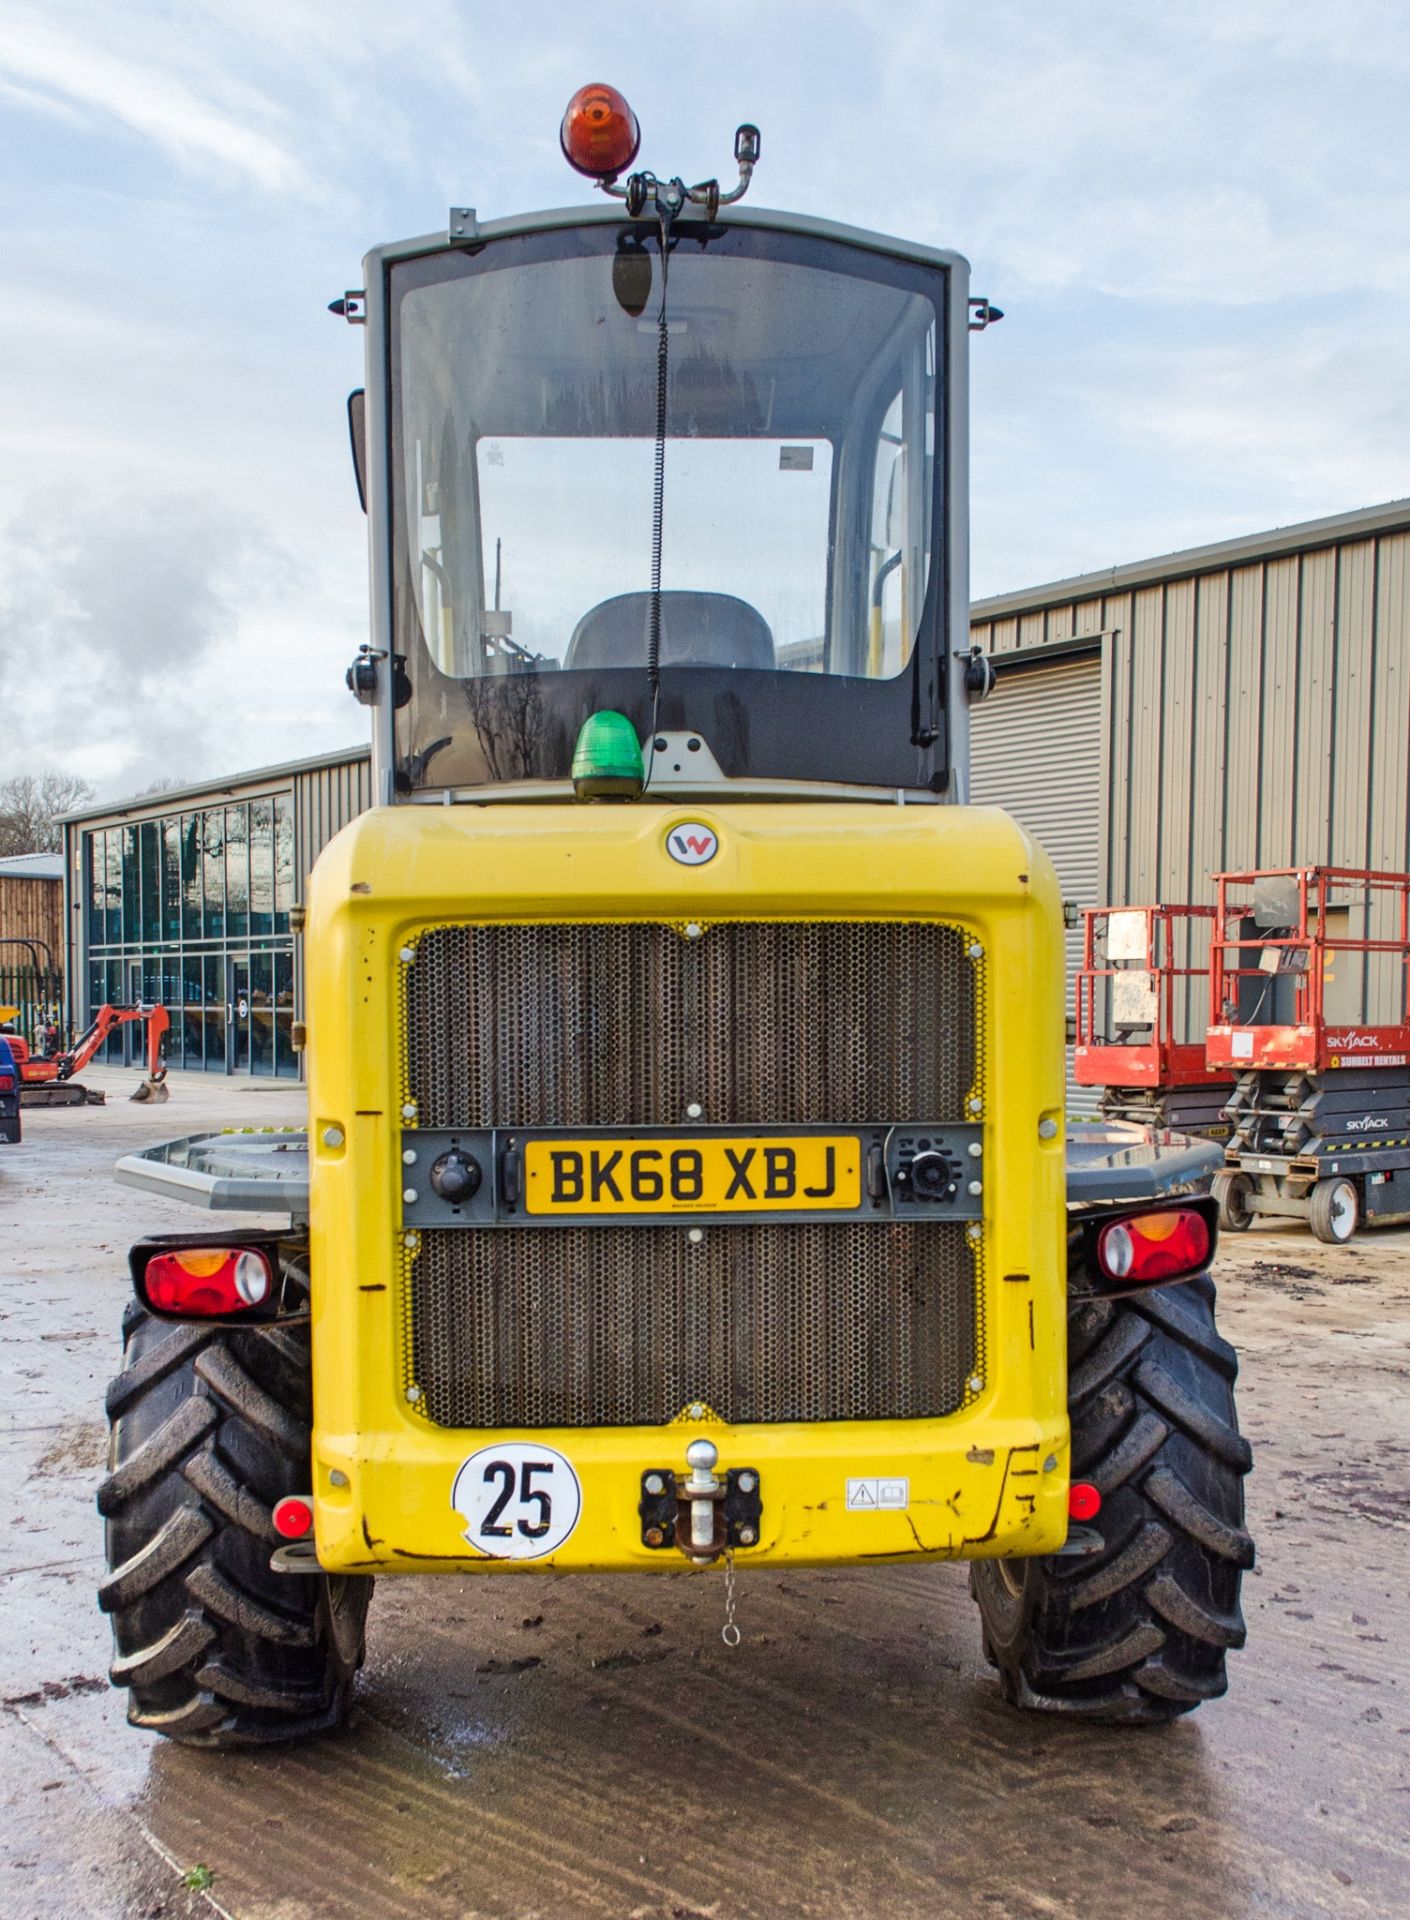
1036, 750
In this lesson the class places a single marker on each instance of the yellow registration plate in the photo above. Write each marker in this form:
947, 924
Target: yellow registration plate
786, 1173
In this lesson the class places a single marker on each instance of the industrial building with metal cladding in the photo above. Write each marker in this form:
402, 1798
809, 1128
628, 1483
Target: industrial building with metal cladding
185, 899
1240, 705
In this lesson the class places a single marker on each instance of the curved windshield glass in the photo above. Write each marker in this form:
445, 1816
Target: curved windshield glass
761, 423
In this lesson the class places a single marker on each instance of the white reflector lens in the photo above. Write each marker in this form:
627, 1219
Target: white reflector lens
251, 1278
1118, 1255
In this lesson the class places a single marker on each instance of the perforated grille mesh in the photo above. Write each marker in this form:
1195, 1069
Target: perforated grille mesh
624, 1326
627, 1025
596, 1026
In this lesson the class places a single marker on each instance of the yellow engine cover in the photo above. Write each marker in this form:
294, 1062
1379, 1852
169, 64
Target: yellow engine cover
396, 1492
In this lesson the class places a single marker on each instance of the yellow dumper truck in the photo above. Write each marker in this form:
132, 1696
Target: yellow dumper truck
686, 1182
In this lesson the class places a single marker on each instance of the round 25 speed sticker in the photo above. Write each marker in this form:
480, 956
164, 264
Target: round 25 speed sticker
518, 1501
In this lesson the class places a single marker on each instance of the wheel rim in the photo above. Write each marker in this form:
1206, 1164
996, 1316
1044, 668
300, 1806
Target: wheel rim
1341, 1209
1010, 1578
346, 1602
1234, 1194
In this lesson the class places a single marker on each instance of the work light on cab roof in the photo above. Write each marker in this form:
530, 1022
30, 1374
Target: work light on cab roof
600, 137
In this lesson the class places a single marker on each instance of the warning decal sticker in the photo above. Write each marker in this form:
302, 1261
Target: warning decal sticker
878, 1496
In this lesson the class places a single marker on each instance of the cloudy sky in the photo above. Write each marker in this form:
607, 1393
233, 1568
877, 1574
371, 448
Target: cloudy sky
1195, 217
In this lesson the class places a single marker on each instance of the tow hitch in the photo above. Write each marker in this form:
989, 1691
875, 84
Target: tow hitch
701, 1513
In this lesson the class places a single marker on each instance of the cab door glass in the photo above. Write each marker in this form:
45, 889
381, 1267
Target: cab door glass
901, 515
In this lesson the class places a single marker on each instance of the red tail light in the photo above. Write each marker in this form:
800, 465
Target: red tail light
599, 135
7, 1083
1145, 1247
208, 1280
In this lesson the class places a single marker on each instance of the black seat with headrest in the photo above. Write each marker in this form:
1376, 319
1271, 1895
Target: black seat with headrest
697, 630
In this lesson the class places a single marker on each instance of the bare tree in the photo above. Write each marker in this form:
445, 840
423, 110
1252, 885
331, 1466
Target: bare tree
30, 805
169, 783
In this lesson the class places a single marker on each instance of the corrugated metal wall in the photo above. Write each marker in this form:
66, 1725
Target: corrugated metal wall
1036, 746
1037, 751
1256, 705
1272, 700
325, 799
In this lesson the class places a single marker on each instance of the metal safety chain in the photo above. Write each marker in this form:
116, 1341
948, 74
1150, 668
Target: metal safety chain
729, 1632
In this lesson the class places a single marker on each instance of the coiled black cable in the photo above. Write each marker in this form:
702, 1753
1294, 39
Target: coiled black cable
658, 493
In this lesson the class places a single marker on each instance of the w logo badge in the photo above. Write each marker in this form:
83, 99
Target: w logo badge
692, 844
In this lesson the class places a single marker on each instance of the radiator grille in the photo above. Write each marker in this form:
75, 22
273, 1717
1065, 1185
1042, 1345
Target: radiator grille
596, 1026
599, 1025
626, 1326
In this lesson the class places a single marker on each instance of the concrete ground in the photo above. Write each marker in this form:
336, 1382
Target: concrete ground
588, 1747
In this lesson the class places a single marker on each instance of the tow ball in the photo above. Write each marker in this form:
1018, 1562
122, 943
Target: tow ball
701, 1513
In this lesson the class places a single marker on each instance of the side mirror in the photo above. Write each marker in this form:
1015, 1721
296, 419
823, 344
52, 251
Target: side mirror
357, 434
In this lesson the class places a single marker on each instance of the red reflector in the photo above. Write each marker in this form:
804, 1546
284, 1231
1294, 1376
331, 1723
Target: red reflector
599, 135
293, 1516
1083, 1500
1154, 1246
7, 1083
208, 1280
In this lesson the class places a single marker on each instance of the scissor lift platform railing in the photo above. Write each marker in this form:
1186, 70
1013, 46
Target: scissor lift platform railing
1134, 1013
1309, 971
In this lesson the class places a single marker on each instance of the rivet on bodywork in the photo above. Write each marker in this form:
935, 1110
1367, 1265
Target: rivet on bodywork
408, 1112
976, 1383
413, 1394
1050, 1464
408, 954
975, 951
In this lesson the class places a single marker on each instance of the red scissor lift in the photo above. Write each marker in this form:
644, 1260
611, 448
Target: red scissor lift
1309, 978
1133, 1011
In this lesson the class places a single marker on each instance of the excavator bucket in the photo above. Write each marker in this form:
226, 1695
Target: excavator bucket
153, 1090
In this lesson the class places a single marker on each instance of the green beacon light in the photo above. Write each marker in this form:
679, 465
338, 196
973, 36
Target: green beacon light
607, 763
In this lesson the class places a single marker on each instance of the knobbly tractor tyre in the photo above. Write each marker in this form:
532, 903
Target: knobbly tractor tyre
1233, 1194
1140, 1630
210, 1426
